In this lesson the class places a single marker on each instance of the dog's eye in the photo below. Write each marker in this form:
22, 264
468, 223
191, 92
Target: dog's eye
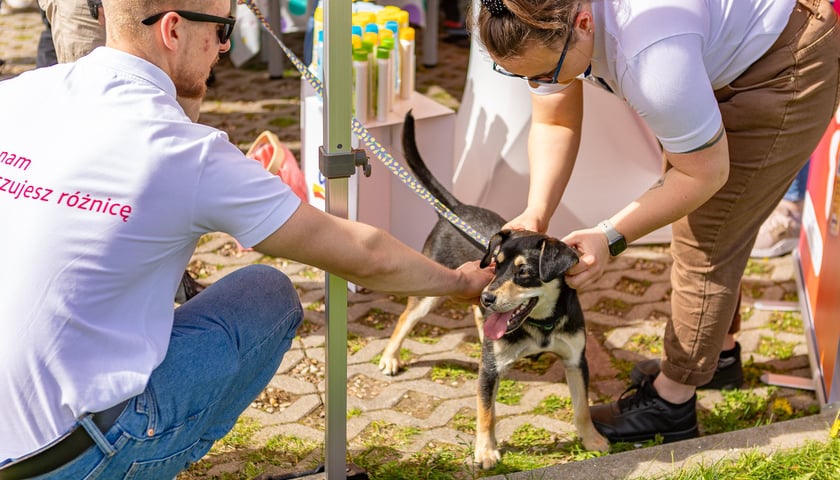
525, 271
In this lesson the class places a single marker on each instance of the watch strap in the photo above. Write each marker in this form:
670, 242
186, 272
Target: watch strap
615, 240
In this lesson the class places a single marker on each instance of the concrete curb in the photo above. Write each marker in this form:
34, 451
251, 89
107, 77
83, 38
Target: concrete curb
663, 459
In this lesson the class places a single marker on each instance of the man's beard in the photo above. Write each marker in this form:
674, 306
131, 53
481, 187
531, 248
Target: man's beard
191, 86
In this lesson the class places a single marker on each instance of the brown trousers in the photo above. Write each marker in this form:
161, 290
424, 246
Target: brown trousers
774, 114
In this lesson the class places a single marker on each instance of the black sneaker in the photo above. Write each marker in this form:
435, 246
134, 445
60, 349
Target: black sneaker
640, 414
188, 288
729, 374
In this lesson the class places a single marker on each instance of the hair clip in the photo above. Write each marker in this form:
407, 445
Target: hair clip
495, 7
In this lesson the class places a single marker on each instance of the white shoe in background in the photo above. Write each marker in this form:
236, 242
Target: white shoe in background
779, 234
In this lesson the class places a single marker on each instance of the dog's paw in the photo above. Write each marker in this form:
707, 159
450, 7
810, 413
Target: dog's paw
389, 364
596, 442
487, 458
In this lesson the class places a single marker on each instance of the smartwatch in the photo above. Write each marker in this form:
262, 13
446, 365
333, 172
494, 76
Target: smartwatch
615, 240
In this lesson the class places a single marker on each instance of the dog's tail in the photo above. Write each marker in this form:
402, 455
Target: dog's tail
415, 162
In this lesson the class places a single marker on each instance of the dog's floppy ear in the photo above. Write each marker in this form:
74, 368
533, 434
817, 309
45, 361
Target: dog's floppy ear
555, 258
493, 247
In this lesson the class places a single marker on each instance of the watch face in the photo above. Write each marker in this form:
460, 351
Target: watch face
618, 246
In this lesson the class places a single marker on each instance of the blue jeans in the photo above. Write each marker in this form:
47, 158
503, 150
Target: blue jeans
796, 192
226, 344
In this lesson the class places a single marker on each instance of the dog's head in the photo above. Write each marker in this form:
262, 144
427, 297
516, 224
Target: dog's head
529, 278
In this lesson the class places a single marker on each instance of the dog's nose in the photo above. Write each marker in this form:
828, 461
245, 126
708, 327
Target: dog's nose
488, 298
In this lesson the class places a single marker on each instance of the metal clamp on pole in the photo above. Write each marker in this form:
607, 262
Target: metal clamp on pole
342, 164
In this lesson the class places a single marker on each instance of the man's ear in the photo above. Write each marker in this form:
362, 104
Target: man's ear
168, 27
555, 259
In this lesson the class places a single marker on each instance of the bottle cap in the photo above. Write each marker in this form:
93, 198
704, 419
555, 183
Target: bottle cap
407, 33
371, 37
367, 17
360, 55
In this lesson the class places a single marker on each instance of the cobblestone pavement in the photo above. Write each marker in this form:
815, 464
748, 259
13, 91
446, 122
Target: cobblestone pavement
432, 402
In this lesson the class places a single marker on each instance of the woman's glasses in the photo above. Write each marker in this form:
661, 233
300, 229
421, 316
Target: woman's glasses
548, 77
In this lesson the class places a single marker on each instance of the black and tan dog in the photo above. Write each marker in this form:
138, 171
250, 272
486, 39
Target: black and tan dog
527, 308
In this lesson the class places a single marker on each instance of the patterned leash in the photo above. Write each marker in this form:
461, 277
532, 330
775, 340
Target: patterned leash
374, 147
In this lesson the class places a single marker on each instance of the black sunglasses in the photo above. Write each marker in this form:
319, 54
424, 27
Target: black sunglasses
224, 30
543, 78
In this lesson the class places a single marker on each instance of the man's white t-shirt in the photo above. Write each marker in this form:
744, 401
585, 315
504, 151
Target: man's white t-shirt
105, 188
666, 58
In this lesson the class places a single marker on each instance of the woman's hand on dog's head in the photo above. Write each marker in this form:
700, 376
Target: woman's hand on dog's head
527, 220
594, 252
474, 279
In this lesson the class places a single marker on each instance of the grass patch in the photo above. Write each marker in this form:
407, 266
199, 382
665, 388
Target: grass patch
758, 267
316, 306
813, 461
739, 409
775, 348
378, 319
309, 273
555, 406
435, 463
641, 342
471, 349
612, 306
383, 433
623, 367
285, 450
450, 372
464, 421
427, 334
536, 364
510, 392
789, 322
239, 437
283, 122
529, 436
355, 343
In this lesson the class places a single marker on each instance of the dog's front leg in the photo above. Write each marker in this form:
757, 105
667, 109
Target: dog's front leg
415, 309
487, 454
578, 380
478, 315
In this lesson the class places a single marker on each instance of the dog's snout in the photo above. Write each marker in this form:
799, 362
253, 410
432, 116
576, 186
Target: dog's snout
488, 298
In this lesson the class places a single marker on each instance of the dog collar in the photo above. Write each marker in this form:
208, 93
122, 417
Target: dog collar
544, 326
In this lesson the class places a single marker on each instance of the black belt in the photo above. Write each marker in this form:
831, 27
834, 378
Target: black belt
65, 450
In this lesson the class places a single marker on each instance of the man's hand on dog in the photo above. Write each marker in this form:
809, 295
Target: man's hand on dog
474, 279
594, 252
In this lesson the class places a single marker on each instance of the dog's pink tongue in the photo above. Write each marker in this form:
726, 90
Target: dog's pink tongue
496, 324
